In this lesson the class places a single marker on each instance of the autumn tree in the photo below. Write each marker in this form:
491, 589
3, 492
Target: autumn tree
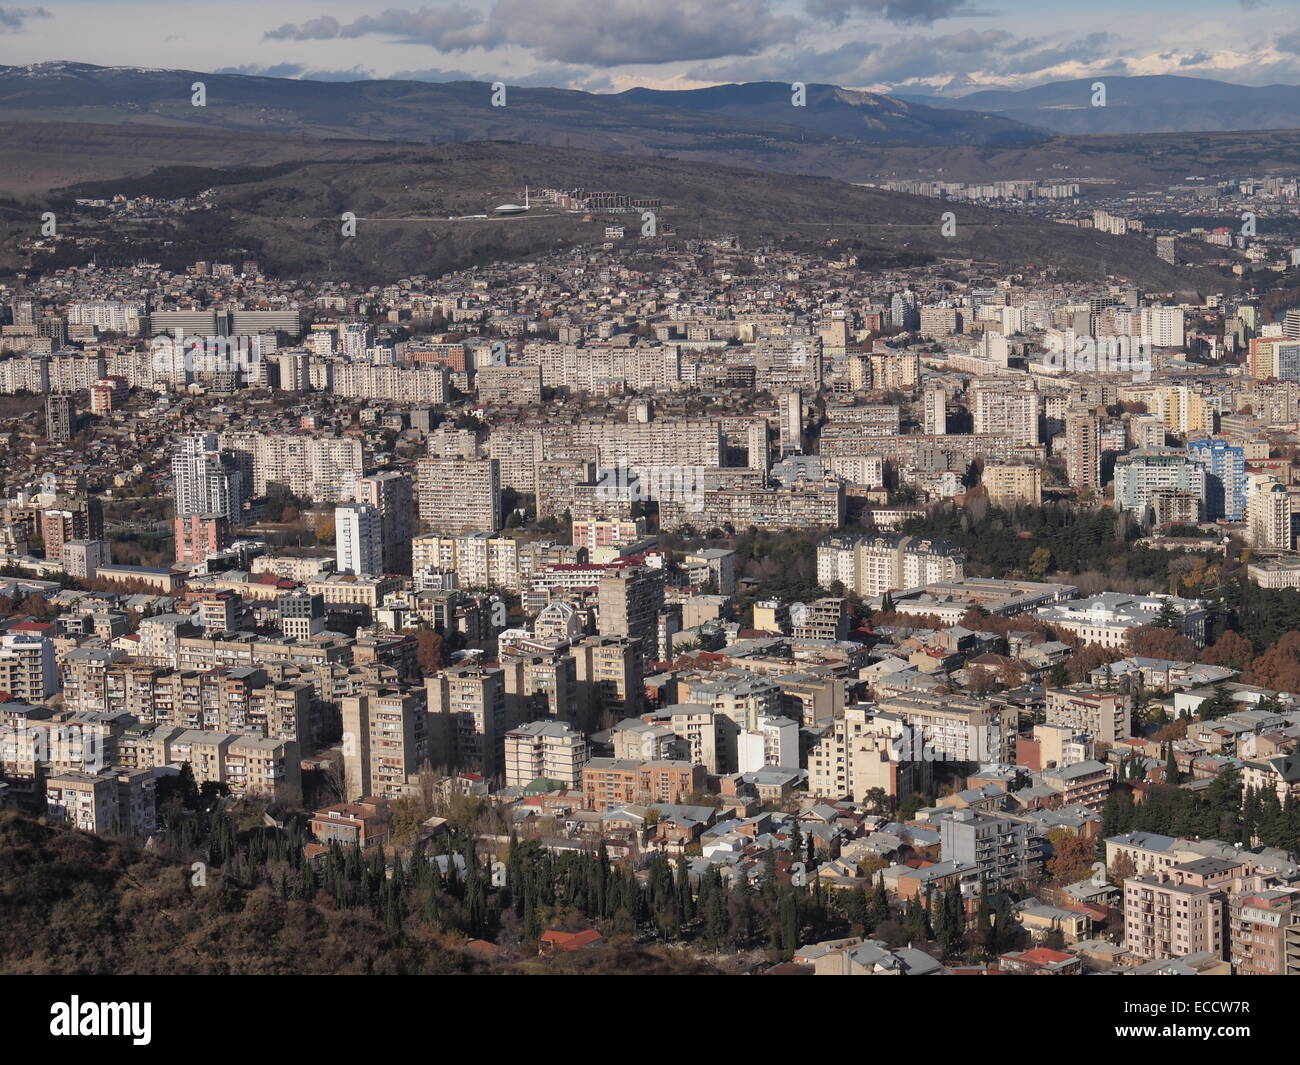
1159, 641
1089, 657
1278, 667
1231, 650
1072, 855
430, 651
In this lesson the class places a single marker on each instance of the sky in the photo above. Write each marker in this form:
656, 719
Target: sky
918, 47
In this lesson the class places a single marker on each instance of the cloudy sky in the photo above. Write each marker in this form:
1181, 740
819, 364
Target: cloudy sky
916, 46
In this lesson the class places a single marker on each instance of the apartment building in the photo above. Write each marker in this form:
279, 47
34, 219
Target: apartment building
1102, 715
802, 506
1013, 484
957, 727
385, 741
1225, 477
460, 495
1264, 932
1269, 521
872, 565
206, 480
628, 601
541, 686
468, 717
608, 783
860, 753
1083, 450
1144, 471
1168, 916
27, 668
321, 468
610, 671
1006, 408
1003, 850
359, 540
1084, 783
551, 750
392, 495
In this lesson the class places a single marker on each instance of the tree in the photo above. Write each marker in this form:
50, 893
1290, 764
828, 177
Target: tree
1071, 855
1168, 617
1172, 776
1231, 650
1040, 561
1277, 667
1161, 641
430, 650
1218, 705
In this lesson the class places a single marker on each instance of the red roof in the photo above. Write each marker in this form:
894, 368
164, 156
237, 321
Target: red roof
572, 940
1045, 956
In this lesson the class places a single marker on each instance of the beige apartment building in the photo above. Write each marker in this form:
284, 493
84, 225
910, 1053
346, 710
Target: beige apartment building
608, 783
1103, 715
385, 741
468, 717
1010, 485
551, 750
610, 673
1167, 916
460, 495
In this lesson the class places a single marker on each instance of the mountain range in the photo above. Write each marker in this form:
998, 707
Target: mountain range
759, 113
1161, 103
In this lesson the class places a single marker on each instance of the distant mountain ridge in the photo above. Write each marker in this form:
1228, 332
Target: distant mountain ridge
1158, 103
760, 115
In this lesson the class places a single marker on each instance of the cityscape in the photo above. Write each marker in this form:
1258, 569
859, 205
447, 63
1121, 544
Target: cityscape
689, 524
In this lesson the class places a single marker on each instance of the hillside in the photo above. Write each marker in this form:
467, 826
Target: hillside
287, 212
78, 904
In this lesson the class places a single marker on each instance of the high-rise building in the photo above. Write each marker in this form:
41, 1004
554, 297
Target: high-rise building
358, 540
1225, 477
204, 481
460, 495
610, 673
1140, 473
934, 413
629, 602
1006, 409
1164, 326
1268, 514
1083, 450
60, 418
198, 536
550, 750
390, 493
78, 519
468, 719
791, 408
385, 741
27, 668
320, 468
